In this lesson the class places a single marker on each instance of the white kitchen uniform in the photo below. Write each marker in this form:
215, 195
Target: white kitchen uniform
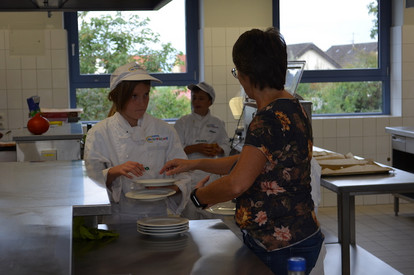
194, 129
316, 172
152, 143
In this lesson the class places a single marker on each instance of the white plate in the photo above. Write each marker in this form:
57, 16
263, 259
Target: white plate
169, 227
150, 194
174, 243
162, 221
225, 208
163, 234
156, 182
159, 230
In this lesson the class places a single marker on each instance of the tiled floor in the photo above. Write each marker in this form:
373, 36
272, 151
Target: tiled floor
380, 232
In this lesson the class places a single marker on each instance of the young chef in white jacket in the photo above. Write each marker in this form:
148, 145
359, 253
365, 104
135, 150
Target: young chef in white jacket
202, 136
131, 144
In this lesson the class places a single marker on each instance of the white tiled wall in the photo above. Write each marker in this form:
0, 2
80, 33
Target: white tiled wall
23, 76
363, 136
218, 45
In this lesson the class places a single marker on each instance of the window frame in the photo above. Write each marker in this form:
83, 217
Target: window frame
382, 73
77, 80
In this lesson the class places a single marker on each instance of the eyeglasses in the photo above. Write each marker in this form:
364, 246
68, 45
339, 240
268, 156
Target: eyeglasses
234, 73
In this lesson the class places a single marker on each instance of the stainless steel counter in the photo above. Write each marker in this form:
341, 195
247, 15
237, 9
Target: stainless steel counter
65, 132
401, 131
347, 187
37, 203
209, 247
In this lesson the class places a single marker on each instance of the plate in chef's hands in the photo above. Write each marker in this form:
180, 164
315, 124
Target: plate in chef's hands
156, 182
150, 194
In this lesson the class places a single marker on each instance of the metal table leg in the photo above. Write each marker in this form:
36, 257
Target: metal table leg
352, 235
396, 205
346, 228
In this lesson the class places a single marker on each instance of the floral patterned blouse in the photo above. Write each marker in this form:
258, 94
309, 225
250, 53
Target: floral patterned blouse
277, 210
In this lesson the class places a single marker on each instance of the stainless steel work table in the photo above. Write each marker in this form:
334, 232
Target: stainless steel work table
209, 247
58, 143
37, 203
347, 187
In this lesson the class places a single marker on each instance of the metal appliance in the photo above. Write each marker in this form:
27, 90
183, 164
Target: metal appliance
402, 141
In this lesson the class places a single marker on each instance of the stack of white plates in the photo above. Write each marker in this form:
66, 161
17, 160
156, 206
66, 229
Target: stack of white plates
164, 244
162, 226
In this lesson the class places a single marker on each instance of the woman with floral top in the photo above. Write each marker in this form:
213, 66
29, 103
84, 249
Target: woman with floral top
271, 176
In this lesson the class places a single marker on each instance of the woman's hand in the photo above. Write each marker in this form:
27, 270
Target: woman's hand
177, 166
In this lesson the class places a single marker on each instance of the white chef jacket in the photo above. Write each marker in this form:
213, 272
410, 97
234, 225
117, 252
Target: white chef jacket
194, 129
152, 143
316, 172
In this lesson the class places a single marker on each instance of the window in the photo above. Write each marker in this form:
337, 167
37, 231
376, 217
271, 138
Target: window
346, 48
90, 66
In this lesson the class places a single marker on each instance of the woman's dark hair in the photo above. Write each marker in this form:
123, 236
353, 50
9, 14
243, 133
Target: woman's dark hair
123, 92
262, 56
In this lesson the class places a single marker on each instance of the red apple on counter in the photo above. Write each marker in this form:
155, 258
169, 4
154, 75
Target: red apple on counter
38, 125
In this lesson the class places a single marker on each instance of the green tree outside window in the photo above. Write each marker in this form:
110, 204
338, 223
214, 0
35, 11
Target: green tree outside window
114, 39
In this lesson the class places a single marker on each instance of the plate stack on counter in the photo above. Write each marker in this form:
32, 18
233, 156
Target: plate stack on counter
162, 226
164, 244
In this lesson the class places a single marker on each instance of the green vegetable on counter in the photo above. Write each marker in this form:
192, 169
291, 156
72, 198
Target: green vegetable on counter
80, 231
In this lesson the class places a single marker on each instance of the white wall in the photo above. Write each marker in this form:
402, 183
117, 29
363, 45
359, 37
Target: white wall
33, 61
